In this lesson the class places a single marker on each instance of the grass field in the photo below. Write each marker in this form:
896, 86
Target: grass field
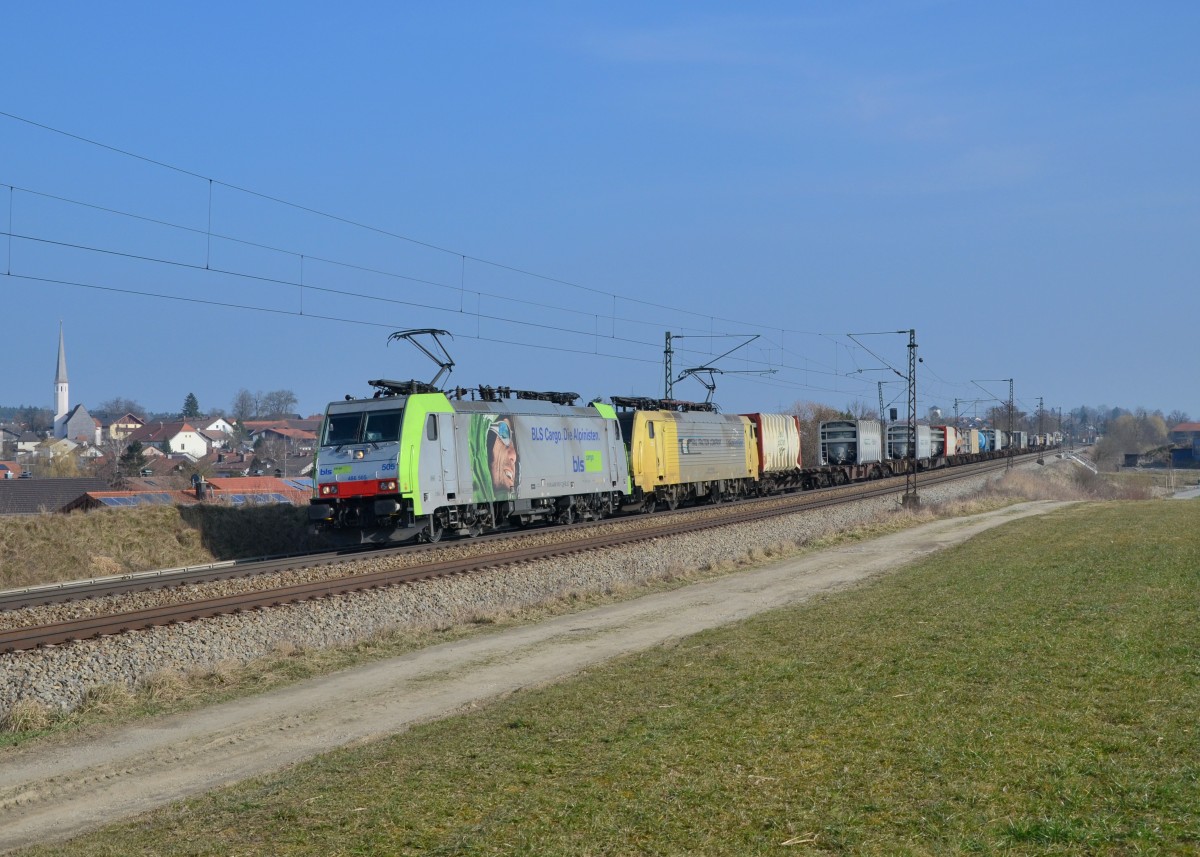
1033, 692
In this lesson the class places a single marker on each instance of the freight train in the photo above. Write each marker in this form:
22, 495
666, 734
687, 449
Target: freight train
414, 462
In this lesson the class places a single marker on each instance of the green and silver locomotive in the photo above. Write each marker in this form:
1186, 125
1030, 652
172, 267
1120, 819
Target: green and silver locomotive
413, 462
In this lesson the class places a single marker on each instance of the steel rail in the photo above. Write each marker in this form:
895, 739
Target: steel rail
31, 637
146, 581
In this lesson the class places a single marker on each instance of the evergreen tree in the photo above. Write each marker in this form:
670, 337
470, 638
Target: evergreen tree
133, 459
191, 408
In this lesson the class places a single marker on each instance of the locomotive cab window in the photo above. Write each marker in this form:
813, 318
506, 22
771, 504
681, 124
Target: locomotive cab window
382, 426
359, 427
431, 427
650, 428
341, 429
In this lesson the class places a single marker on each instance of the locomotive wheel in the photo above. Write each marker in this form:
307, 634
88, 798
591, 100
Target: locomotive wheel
433, 530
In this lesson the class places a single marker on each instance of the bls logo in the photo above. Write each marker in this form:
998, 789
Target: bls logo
577, 464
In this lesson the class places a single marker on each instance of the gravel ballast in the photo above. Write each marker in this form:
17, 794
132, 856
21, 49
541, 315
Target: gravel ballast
61, 678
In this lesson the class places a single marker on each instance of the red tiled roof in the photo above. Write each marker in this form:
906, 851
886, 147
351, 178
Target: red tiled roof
182, 498
257, 485
249, 484
294, 433
1187, 427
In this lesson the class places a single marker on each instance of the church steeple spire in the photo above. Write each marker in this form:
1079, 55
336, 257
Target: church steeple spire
61, 398
60, 374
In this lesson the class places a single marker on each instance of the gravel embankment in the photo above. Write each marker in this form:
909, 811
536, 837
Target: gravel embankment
60, 678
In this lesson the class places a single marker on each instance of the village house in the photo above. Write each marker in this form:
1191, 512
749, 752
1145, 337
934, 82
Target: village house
173, 437
122, 427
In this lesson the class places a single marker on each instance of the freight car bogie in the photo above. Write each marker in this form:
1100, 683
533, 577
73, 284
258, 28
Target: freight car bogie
715, 491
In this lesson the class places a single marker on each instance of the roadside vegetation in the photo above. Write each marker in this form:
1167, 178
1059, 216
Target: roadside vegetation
1030, 692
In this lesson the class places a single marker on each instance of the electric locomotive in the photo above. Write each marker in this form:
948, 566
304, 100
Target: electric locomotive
411, 462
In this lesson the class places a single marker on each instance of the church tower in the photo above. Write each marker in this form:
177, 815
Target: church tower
61, 399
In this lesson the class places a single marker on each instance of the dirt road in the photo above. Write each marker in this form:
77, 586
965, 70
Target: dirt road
52, 793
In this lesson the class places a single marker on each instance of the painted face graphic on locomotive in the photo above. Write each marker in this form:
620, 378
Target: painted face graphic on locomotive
495, 463
502, 455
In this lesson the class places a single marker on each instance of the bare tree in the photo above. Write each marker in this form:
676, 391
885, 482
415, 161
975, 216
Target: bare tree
811, 415
1152, 432
278, 404
62, 464
860, 410
37, 419
244, 407
119, 407
1130, 433
108, 466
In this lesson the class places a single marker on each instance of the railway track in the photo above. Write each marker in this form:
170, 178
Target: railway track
587, 537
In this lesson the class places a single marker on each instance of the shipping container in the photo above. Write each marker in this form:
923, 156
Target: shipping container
851, 442
899, 436
777, 437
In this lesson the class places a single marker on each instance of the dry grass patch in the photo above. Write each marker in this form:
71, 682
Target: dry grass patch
48, 548
27, 716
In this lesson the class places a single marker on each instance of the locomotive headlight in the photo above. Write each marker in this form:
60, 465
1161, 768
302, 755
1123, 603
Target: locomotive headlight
326, 490
387, 485
359, 453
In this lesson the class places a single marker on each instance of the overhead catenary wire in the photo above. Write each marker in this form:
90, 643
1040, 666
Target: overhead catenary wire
625, 320
305, 284
371, 228
364, 296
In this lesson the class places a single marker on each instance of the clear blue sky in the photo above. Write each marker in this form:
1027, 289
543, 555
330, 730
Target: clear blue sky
558, 185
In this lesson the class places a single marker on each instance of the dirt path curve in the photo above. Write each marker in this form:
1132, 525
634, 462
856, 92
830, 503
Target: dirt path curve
52, 793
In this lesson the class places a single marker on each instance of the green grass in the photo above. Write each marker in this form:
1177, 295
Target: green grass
1032, 692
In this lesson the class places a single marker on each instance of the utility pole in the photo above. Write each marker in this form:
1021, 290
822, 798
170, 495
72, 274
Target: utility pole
1011, 410
668, 385
1041, 434
1012, 415
910, 475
